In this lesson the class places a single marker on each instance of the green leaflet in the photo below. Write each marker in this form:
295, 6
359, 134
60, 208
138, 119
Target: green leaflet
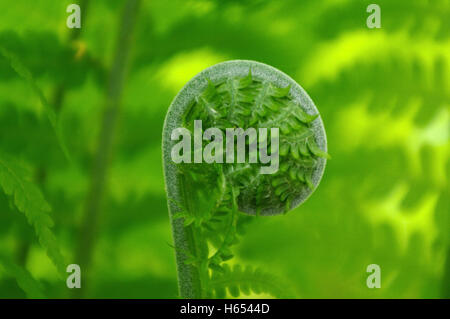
24, 279
312, 146
246, 280
29, 200
26, 75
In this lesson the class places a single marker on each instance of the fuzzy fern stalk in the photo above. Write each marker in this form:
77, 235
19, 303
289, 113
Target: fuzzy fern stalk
210, 203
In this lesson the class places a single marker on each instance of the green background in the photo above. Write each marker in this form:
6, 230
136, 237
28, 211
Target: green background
383, 94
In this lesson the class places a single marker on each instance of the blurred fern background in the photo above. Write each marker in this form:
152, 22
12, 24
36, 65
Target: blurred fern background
81, 116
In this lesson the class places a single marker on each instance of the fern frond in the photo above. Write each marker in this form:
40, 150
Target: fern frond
24, 279
370, 49
265, 101
246, 280
291, 117
24, 73
399, 15
237, 99
223, 252
29, 200
214, 195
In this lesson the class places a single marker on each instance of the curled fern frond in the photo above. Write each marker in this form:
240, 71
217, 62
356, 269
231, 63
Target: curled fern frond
251, 101
214, 196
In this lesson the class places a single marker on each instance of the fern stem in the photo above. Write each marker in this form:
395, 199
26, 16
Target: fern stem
96, 193
186, 238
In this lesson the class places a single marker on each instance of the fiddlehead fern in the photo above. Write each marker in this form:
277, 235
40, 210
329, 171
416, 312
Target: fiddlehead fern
206, 200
